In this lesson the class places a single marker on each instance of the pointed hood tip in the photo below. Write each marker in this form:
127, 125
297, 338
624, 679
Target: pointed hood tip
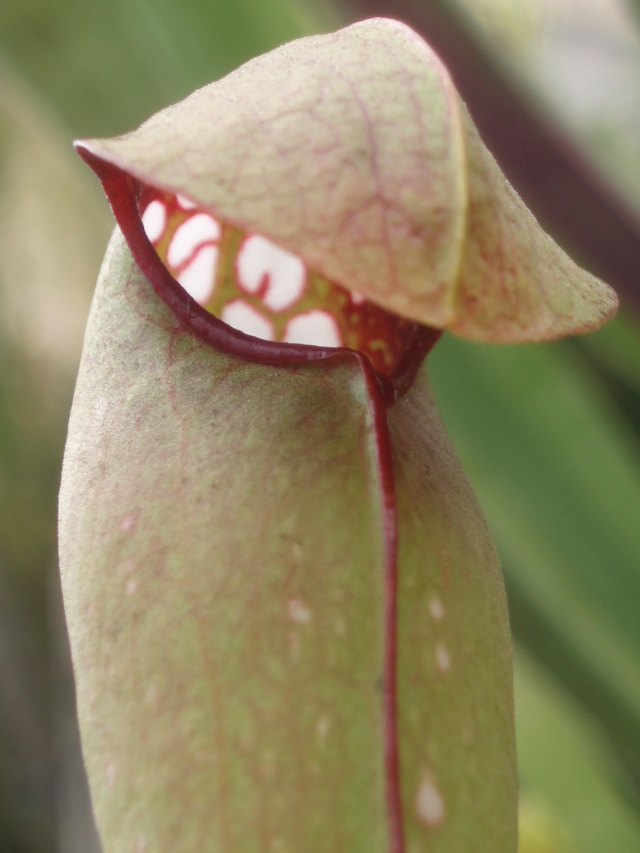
82, 145
86, 149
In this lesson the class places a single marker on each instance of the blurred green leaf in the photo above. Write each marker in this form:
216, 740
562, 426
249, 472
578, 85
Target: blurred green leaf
614, 355
106, 66
52, 225
558, 475
565, 796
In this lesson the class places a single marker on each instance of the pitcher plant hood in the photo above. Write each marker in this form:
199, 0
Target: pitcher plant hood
354, 151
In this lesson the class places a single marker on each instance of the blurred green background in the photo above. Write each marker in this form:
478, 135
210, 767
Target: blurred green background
548, 434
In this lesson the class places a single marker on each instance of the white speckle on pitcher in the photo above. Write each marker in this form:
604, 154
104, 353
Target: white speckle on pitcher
443, 658
322, 728
430, 805
128, 522
298, 611
436, 608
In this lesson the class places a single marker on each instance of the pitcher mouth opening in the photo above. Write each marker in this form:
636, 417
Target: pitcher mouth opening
245, 295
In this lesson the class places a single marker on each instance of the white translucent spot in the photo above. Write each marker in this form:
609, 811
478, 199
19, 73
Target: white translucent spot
322, 727
110, 774
131, 586
245, 318
443, 658
315, 327
298, 611
356, 298
436, 609
127, 523
199, 277
259, 258
185, 203
430, 806
340, 626
142, 845
154, 220
151, 696
197, 230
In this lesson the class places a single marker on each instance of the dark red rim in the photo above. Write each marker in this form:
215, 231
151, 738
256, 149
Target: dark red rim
122, 190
